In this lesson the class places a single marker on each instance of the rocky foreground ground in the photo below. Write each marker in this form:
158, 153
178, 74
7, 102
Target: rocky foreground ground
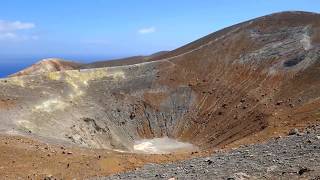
294, 157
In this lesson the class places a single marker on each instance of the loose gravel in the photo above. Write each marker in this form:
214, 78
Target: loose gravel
294, 157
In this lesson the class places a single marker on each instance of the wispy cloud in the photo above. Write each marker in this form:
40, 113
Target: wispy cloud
7, 35
8, 26
147, 30
9, 30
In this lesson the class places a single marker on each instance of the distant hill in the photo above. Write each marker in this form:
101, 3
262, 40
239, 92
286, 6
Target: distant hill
56, 64
48, 65
124, 61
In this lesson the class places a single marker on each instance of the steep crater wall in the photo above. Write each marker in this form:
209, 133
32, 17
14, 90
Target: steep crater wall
243, 83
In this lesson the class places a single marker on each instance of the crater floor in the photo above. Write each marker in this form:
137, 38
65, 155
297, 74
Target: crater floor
162, 145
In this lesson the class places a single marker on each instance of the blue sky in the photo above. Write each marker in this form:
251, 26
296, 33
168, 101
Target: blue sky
102, 29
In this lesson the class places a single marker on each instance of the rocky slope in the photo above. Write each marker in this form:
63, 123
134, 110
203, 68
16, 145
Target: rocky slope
293, 157
243, 84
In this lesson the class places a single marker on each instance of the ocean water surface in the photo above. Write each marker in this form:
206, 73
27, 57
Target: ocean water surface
7, 68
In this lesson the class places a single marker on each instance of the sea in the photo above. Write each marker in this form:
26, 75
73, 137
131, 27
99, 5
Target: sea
13, 66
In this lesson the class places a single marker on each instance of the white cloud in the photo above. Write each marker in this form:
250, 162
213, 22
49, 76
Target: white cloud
7, 35
7, 26
9, 30
16, 37
147, 30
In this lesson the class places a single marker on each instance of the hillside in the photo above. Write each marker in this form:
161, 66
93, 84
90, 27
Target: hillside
124, 61
48, 65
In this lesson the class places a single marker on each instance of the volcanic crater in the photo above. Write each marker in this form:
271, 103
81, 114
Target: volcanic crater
240, 85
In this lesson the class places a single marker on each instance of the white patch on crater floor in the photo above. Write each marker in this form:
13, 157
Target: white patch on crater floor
162, 145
